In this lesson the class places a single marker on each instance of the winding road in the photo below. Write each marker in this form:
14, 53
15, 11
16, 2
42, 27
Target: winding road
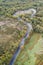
29, 28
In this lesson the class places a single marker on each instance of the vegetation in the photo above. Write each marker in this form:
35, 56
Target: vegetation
30, 55
12, 31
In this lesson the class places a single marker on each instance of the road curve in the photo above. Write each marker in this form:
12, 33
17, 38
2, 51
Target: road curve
29, 28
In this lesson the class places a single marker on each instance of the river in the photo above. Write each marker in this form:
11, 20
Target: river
29, 28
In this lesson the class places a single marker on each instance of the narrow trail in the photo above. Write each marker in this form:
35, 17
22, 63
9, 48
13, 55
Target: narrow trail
29, 28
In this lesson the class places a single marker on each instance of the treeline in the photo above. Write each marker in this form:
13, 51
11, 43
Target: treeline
37, 25
36, 22
11, 6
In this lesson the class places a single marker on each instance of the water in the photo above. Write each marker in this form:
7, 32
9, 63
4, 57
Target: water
29, 28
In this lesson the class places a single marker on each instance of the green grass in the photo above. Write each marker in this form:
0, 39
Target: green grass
0, 0
33, 40
27, 55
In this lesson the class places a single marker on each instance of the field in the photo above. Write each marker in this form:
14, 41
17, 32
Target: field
12, 31
31, 51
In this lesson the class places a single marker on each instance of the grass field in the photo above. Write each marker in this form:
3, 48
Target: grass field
29, 54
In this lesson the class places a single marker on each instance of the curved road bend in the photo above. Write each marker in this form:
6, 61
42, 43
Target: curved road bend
29, 28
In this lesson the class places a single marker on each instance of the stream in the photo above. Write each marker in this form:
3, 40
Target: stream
29, 29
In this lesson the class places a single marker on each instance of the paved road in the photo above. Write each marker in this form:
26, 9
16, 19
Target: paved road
29, 28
